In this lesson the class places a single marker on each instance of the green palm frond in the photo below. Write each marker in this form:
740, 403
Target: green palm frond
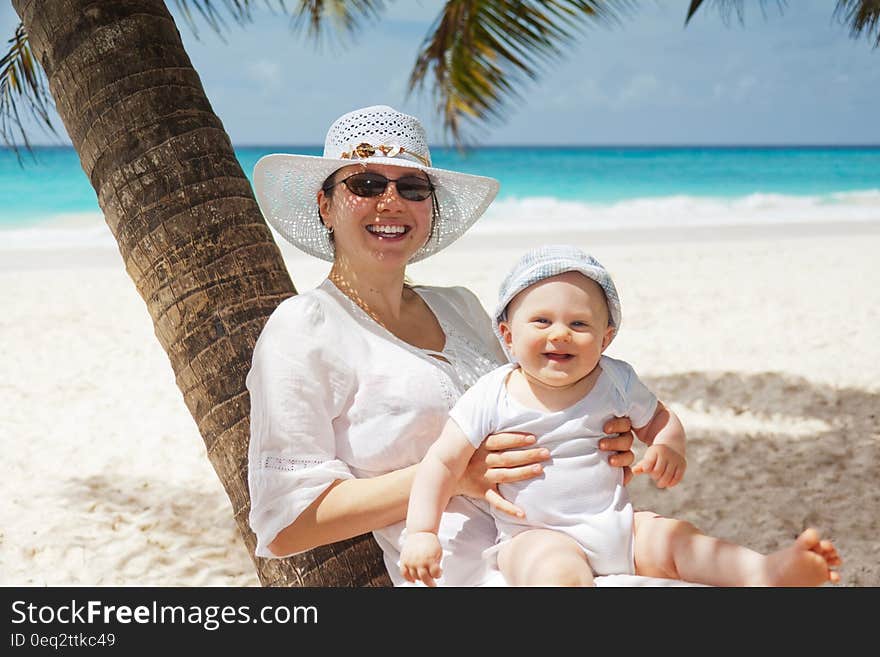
212, 12
345, 16
22, 80
861, 16
728, 7
480, 52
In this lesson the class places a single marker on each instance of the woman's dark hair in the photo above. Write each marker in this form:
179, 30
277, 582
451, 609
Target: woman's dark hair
329, 188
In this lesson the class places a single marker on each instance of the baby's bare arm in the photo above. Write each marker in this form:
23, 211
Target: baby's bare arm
436, 478
664, 429
665, 459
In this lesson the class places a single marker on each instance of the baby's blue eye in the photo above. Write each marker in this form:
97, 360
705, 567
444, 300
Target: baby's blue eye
579, 324
541, 320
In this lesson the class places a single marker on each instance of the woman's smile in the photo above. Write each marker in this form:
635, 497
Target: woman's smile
388, 232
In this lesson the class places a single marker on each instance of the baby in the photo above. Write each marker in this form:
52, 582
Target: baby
557, 313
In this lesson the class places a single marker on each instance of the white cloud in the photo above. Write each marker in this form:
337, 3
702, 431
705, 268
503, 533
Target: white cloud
640, 89
267, 73
744, 89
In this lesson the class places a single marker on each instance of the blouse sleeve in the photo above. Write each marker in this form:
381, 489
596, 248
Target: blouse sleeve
480, 321
296, 388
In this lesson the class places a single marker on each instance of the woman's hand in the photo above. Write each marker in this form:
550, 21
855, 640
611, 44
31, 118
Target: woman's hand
621, 443
501, 459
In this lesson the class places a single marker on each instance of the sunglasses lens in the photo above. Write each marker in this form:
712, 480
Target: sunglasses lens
366, 184
413, 188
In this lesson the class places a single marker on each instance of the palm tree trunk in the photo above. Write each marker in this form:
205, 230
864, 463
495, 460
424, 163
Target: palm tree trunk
189, 230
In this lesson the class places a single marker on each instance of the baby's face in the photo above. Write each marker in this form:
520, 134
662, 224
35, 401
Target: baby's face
558, 328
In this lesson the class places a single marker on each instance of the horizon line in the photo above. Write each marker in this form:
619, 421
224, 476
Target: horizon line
719, 145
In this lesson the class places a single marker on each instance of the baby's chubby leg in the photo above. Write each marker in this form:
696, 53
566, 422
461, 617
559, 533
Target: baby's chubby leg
666, 547
543, 557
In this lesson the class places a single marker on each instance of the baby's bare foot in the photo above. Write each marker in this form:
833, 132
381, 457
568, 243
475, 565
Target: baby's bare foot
808, 562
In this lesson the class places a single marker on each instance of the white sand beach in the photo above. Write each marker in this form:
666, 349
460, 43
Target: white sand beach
764, 340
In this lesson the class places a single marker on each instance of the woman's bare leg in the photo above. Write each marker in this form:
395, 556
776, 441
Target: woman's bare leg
676, 549
543, 557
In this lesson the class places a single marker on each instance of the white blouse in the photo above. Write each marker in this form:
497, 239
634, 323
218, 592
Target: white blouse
334, 396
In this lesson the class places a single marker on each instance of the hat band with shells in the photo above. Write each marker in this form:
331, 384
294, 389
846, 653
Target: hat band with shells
365, 150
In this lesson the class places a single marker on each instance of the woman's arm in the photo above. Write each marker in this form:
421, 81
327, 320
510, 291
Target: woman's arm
346, 509
352, 507
355, 506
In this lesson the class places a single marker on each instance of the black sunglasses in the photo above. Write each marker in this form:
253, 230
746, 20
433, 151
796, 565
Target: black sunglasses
412, 188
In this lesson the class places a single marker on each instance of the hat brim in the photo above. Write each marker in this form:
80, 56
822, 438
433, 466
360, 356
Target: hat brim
287, 184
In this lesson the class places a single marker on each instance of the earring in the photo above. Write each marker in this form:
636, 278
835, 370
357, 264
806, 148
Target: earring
329, 229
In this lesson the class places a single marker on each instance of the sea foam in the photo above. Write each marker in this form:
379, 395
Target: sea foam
520, 215
81, 230
531, 214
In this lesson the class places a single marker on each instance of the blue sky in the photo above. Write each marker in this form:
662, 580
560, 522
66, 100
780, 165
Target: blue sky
792, 78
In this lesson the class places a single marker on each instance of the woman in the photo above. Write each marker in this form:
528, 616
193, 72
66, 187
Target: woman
351, 382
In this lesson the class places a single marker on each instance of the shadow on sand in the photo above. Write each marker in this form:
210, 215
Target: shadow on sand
783, 453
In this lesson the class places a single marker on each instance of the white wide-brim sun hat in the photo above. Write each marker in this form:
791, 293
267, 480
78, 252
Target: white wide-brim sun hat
287, 185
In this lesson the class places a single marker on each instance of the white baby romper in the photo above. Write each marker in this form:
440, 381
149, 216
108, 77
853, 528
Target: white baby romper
578, 493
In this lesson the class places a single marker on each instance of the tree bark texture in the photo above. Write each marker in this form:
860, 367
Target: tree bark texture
188, 227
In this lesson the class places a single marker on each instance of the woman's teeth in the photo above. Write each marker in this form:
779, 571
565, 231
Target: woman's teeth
386, 230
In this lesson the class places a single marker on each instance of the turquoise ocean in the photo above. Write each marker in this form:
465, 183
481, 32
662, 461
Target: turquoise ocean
47, 202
